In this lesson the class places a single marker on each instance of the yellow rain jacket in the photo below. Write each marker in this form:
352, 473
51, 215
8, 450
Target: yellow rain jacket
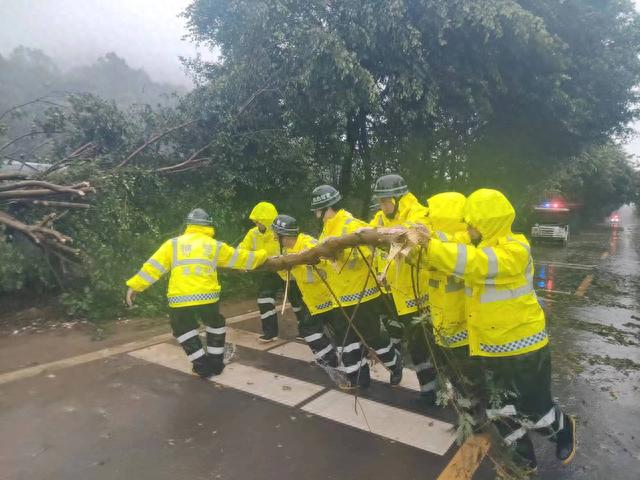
192, 260
446, 292
264, 213
399, 275
315, 294
349, 284
504, 317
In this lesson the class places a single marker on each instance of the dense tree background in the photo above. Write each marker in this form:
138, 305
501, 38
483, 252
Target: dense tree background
524, 96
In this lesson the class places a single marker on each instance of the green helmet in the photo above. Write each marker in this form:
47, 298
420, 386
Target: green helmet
324, 196
285, 226
198, 216
391, 185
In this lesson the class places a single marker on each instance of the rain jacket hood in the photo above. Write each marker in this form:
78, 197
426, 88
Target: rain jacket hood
446, 212
264, 213
490, 213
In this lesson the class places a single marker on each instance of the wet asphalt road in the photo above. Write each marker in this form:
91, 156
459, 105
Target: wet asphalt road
595, 341
123, 417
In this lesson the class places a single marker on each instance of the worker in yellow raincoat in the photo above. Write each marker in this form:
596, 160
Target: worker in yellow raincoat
406, 283
262, 237
505, 324
447, 298
192, 261
356, 292
315, 295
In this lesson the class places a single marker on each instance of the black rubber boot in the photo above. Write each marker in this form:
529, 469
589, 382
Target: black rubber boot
566, 440
203, 367
217, 366
396, 370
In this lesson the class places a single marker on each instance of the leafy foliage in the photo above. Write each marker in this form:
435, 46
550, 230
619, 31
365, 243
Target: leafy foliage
518, 95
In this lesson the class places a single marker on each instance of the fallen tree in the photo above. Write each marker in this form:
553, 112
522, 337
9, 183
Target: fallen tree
18, 192
401, 240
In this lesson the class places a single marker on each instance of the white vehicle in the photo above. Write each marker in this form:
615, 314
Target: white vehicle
552, 223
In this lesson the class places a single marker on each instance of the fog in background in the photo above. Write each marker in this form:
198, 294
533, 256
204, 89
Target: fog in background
146, 33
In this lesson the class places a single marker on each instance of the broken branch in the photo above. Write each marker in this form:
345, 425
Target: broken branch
152, 140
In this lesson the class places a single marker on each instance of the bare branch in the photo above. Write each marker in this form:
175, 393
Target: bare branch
256, 94
42, 184
191, 159
42, 236
86, 148
30, 134
197, 163
12, 222
11, 194
12, 176
37, 100
55, 204
154, 139
24, 163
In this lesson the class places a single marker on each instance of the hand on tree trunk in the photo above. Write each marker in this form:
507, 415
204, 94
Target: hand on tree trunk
130, 297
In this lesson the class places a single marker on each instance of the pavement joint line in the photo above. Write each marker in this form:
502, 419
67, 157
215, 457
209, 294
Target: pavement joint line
467, 459
102, 354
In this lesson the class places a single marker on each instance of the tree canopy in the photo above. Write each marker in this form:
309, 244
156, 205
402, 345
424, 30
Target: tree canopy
458, 93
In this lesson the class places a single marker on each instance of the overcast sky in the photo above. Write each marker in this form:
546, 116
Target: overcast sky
147, 33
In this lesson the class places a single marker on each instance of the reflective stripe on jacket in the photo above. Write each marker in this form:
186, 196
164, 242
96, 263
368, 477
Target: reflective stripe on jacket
504, 317
192, 260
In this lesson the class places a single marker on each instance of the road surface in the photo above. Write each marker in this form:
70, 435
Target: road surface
127, 407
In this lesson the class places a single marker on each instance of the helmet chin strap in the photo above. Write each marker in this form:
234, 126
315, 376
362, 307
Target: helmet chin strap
280, 243
395, 209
